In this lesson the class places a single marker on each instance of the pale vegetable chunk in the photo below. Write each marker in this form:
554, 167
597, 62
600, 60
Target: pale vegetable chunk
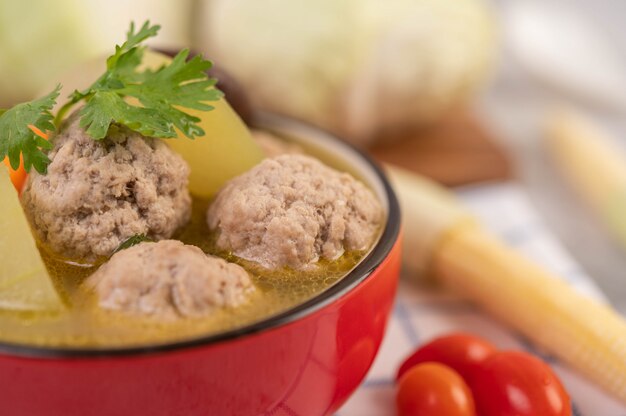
226, 150
24, 281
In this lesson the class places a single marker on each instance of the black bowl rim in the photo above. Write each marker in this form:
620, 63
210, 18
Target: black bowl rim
358, 275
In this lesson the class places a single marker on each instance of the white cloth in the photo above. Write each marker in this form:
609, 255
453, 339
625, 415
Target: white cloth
423, 313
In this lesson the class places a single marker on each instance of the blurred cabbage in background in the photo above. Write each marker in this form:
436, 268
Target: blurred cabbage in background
41, 39
355, 67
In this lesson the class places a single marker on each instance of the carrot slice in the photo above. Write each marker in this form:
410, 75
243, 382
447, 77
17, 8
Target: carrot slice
19, 175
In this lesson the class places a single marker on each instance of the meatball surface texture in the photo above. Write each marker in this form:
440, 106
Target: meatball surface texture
97, 194
168, 280
292, 210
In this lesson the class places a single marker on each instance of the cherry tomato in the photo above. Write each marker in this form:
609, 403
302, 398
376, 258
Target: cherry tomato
514, 383
460, 351
17, 176
433, 389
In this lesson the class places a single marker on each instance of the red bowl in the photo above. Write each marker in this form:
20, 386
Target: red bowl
305, 361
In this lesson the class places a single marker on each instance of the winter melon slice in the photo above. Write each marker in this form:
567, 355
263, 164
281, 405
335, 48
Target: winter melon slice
226, 150
24, 280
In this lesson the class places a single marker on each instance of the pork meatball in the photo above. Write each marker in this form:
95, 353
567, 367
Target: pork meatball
168, 280
292, 210
97, 194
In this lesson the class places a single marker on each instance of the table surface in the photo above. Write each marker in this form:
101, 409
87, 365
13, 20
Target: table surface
513, 105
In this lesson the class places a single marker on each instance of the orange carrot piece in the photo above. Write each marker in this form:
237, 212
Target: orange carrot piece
18, 177
38, 132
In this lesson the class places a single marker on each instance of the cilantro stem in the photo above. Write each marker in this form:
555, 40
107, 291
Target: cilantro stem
62, 111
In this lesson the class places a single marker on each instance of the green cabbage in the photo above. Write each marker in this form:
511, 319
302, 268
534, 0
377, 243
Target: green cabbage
353, 66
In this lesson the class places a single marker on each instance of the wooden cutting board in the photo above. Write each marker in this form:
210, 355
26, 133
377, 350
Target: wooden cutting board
458, 150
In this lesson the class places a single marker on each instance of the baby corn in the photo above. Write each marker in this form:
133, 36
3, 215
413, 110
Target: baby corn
593, 165
591, 337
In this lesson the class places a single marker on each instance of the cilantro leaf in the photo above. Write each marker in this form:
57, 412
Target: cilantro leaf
133, 241
181, 83
151, 102
128, 51
162, 94
105, 106
17, 137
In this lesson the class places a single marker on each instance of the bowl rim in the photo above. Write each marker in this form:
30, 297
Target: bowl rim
359, 274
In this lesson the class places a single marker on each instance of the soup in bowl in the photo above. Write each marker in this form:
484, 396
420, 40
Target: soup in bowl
291, 327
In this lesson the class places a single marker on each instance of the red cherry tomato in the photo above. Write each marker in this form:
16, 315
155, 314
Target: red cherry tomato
432, 389
513, 383
461, 352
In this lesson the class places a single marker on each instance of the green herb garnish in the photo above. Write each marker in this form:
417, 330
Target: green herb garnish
160, 98
133, 241
18, 137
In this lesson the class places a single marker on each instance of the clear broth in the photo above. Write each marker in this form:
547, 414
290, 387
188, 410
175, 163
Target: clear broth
84, 325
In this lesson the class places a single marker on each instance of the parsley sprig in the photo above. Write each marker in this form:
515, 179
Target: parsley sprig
151, 102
